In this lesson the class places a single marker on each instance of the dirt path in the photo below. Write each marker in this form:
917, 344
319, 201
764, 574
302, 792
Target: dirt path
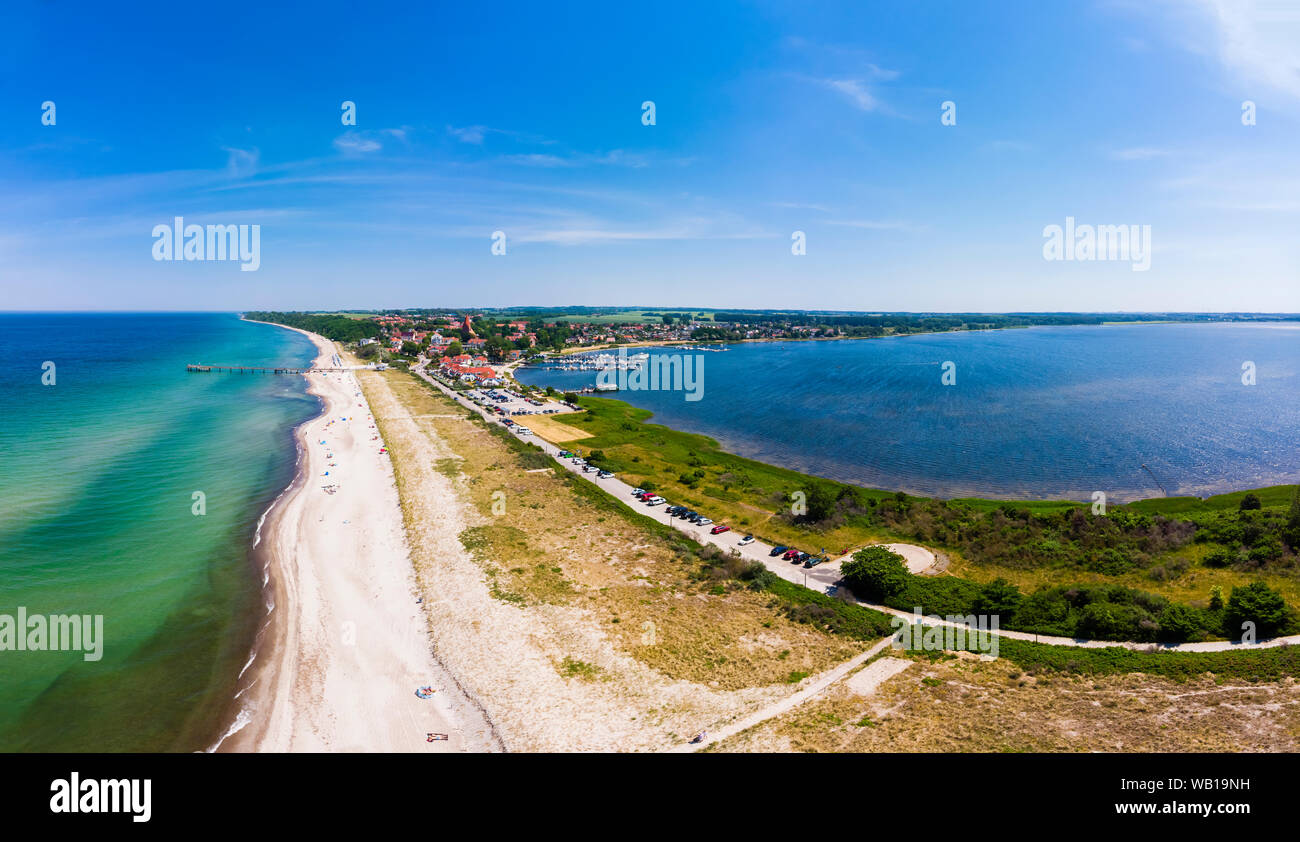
817, 685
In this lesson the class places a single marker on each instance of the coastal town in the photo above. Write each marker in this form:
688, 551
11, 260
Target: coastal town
478, 346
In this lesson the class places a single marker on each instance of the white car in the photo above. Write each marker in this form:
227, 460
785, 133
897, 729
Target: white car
703, 521
748, 539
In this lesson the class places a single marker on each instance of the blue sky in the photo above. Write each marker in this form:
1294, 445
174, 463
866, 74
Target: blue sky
770, 118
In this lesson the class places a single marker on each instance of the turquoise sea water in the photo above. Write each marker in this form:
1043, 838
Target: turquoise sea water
1054, 412
97, 476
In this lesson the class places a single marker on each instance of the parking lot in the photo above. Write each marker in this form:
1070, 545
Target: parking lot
514, 405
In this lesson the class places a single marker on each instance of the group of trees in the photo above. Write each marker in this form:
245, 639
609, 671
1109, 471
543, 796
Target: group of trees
338, 328
1010, 535
1095, 612
1250, 538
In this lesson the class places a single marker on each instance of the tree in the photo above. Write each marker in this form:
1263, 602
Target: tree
1259, 604
1179, 622
1000, 598
820, 502
1250, 501
455, 349
1219, 557
1291, 532
875, 573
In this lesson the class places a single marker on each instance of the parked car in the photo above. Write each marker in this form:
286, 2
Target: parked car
565, 454
778, 550
748, 539
637, 492
814, 561
604, 474
802, 557
704, 521
789, 554
719, 529
656, 501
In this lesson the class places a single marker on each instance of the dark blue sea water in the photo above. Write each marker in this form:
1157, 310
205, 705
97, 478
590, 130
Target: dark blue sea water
1036, 413
97, 477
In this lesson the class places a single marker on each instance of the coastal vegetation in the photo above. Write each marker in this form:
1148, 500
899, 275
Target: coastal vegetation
964, 704
845, 617
1157, 570
1093, 612
337, 327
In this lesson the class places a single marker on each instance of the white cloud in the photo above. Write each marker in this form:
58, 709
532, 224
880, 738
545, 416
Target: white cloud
536, 159
1259, 40
468, 134
875, 224
856, 91
355, 143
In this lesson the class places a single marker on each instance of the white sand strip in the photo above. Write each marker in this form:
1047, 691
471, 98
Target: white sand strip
347, 645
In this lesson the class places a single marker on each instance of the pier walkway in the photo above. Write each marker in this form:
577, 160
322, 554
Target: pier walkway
247, 369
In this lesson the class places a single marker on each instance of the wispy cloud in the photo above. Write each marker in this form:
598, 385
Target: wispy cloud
1257, 42
876, 224
612, 158
240, 162
856, 91
1139, 153
355, 143
1009, 146
1260, 41
469, 134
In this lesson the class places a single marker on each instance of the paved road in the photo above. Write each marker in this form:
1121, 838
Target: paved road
824, 576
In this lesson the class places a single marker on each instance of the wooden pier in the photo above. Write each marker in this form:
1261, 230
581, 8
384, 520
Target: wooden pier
246, 369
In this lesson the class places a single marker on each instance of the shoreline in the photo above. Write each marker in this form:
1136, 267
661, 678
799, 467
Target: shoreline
1119, 496
344, 644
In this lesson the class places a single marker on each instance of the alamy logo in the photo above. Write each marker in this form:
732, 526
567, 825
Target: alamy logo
215, 242
53, 633
1130, 243
73, 795
654, 372
953, 633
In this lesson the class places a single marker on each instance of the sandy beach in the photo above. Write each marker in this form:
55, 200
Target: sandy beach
346, 645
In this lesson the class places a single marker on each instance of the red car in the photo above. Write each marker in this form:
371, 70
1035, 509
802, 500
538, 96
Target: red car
719, 529
789, 554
